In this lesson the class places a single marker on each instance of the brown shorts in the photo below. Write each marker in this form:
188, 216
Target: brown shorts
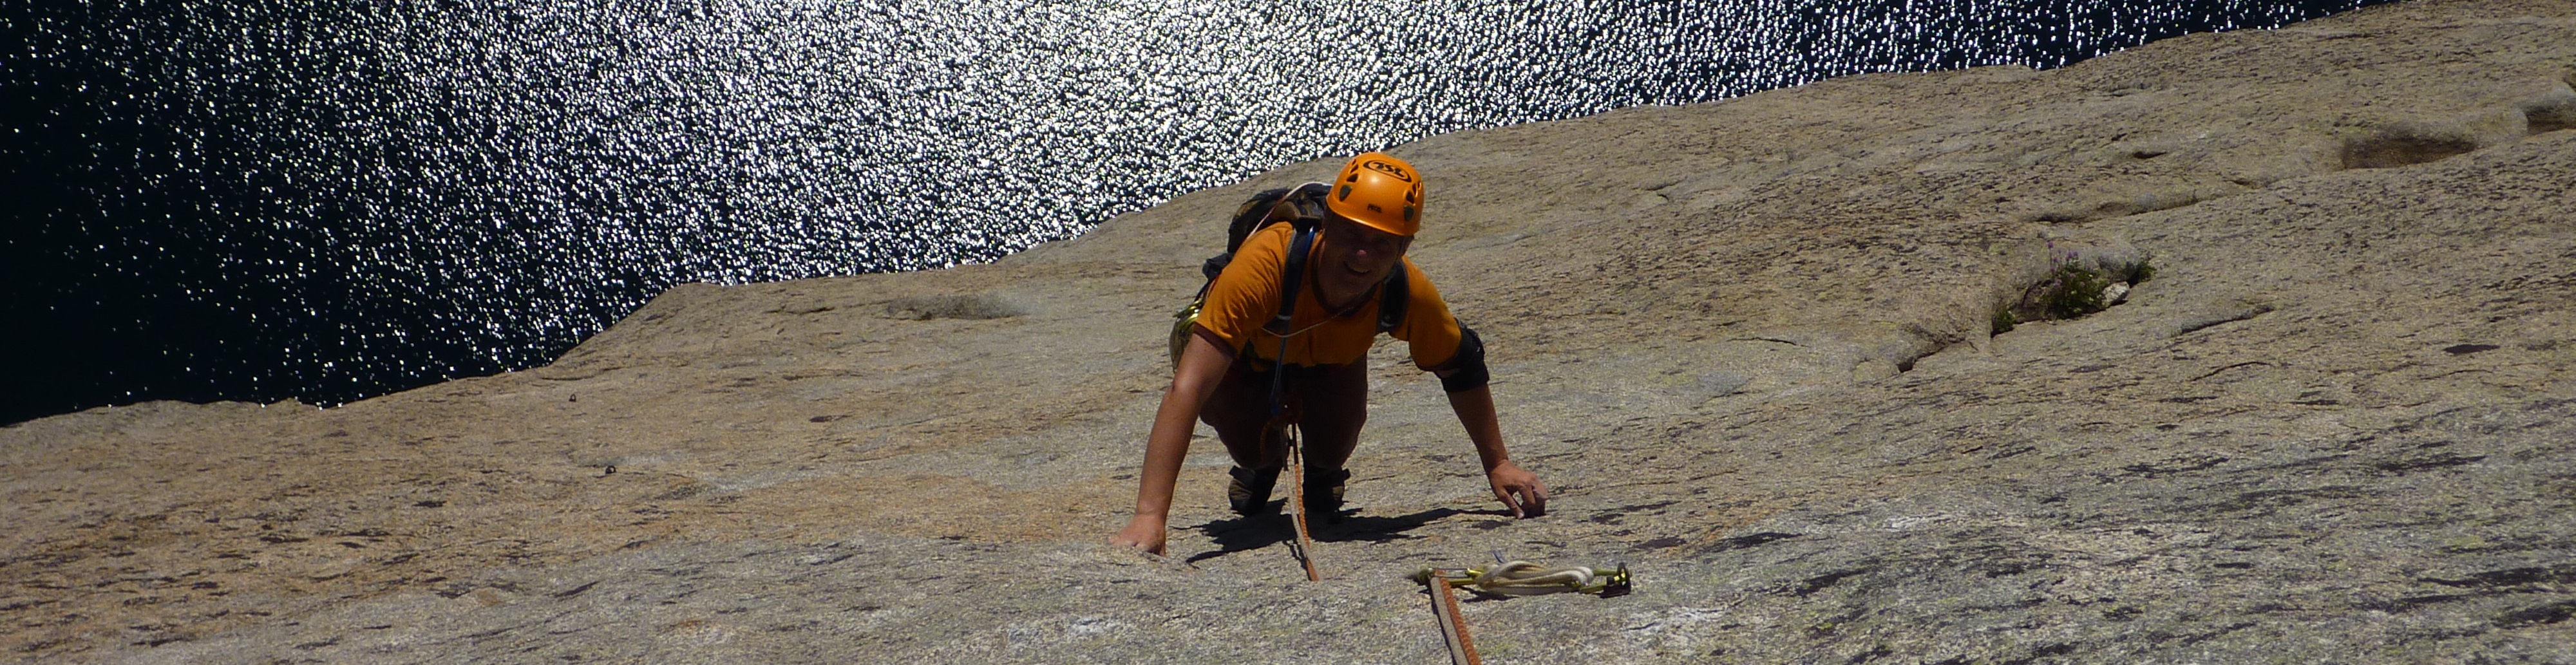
1329, 403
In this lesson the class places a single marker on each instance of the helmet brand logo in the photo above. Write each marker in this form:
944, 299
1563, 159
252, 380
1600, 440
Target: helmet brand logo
1390, 169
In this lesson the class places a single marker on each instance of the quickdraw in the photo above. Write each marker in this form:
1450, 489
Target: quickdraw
1509, 578
1523, 578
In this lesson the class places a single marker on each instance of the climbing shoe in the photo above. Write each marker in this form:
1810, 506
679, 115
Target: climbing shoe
1324, 492
1249, 492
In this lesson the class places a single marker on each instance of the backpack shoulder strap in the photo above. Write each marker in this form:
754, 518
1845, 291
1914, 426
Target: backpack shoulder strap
1292, 276
1279, 325
1307, 216
1392, 299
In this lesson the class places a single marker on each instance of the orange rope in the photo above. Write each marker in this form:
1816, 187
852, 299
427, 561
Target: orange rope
1297, 509
1453, 626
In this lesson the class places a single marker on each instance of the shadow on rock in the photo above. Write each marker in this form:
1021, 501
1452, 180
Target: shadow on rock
1258, 531
1348, 527
1244, 533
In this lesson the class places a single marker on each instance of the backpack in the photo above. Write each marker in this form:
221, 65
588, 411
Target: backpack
1303, 207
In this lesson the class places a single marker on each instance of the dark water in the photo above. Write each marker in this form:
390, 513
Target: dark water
259, 199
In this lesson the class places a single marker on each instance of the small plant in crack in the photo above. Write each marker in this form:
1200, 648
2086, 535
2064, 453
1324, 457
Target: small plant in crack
2074, 287
2135, 273
2072, 290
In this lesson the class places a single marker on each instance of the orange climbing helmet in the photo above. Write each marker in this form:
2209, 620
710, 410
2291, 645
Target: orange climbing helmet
1379, 191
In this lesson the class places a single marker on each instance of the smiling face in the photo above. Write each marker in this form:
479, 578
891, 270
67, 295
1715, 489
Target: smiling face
1355, 257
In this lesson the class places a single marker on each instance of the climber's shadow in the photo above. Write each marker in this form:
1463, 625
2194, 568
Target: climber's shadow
1376, 529
1258, 531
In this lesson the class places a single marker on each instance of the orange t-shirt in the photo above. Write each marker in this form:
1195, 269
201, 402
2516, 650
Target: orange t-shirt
1246, 295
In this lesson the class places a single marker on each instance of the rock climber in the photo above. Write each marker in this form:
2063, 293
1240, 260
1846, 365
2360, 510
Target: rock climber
1224, 373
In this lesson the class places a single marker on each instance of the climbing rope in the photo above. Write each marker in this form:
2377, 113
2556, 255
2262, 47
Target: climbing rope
1297, 502
1453, 627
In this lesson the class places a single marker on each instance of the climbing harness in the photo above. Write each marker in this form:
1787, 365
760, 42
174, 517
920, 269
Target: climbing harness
1509, 578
